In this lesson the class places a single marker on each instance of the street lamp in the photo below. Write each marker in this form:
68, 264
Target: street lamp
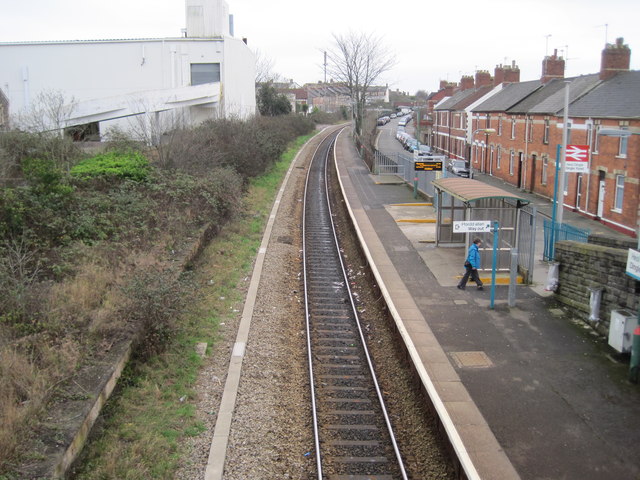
486, 131
634, 363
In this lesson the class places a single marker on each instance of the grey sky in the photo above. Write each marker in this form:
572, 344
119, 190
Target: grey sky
431, 40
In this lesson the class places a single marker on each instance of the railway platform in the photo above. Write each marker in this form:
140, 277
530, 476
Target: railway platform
523, 391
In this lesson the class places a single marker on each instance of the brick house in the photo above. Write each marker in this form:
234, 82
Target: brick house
528, 119
452, 127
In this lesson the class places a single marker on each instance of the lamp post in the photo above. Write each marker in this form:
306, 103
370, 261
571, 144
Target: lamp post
486, 131
634, 363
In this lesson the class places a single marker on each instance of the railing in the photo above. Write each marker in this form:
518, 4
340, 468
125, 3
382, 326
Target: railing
562, 231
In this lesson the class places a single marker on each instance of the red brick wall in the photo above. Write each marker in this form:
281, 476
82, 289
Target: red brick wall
606, 160
616, 57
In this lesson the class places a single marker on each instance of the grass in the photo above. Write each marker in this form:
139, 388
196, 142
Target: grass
153, 410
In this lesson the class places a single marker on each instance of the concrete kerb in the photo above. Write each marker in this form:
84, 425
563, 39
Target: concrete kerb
490, 454
222, 429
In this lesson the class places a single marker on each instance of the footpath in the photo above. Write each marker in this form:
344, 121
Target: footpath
558, 404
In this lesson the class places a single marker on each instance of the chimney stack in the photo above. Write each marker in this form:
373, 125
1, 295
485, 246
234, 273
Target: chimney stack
483, 78
552, 67
466, 82
512, 73
615, 58
449, 88
498, 75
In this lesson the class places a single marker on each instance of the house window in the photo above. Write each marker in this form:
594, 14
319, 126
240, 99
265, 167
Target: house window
545, 135
205, 73
513, 127
619, 193
545, 170
590, 135
529, 134
500, 125
488, 125
498, 157
596, 140
569, 125
511, 156
624, 142
491, 158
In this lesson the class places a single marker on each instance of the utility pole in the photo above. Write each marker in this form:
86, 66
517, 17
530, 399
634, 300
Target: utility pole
563, 158
325, 67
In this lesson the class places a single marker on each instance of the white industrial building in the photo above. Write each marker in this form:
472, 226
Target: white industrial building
206, 73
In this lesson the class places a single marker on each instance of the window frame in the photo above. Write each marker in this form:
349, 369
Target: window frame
546, 130
618, 201
207, 76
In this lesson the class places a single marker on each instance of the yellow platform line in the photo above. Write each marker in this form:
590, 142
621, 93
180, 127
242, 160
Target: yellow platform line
499, 280
416, 220
412, 205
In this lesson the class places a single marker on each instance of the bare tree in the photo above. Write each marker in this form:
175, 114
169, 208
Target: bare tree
264, 69
49, 112
157, 129
357, 61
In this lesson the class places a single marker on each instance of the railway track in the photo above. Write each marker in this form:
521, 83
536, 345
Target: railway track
353, 435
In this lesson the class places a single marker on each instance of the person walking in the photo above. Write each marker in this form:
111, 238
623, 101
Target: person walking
471, 266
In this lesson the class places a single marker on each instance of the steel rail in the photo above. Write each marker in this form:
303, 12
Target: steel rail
329, 144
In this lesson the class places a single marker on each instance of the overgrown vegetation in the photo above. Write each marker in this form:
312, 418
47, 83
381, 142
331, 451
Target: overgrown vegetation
88, 249
145, 424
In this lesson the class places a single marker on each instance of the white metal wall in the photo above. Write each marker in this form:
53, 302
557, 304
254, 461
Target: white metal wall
104, 69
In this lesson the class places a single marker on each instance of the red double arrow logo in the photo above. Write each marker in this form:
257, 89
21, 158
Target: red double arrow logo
578, 153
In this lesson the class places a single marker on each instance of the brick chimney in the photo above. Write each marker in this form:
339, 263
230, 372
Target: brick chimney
615, 58
512, 73
552, 67
449, 88
483, 78
498, 75
466, 82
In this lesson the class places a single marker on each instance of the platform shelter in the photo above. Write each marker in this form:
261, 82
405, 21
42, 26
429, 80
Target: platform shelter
463, 199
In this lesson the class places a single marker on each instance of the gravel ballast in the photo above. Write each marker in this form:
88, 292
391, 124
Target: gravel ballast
271, 433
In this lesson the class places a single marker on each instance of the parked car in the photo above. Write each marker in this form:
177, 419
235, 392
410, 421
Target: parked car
411, 145
402, 136
458, 167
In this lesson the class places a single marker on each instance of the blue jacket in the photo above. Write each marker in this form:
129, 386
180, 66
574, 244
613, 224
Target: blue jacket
473, 257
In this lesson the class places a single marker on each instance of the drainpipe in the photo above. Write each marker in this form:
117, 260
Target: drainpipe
525, 163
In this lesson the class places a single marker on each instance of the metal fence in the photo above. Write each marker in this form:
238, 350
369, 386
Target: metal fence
527, 227
403, 166
562, 231
386, 165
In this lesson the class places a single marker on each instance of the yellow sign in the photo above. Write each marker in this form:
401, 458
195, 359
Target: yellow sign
428, 166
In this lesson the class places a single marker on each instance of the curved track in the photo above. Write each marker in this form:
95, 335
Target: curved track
353, 435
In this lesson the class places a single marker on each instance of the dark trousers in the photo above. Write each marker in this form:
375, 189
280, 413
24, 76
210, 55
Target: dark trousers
473, 273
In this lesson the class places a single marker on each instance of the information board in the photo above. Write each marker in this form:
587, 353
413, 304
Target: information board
428, 166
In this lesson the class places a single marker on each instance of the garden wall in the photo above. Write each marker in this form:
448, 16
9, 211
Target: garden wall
601, 263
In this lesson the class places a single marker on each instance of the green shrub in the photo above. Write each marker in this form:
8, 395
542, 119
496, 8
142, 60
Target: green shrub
110, 165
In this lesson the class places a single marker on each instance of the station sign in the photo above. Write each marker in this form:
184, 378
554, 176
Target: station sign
472, 226
577, 159
428, 166
633, 264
